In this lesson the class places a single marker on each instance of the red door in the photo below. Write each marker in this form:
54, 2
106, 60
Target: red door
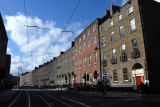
139, 79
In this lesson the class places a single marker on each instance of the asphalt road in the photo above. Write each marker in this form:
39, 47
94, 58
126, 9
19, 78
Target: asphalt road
46, 98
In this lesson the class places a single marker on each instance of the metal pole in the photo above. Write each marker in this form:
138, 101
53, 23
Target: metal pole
102, 61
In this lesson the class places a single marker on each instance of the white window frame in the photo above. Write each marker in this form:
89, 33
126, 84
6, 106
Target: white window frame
84, 46
84, 36
89, 60
76, 51
123, 47
89, 43
95, 57
130, 10
102, 29
120, 17
121, 31
111, 23
79, 48
80, 64
94, 39
89, 32
103, 41
94, 28
132, 25
112, 37
84, 62
80, 40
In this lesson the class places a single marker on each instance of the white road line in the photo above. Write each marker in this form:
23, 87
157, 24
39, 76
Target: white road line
44, 100
28, 99
76, 102
58, 100
15, 99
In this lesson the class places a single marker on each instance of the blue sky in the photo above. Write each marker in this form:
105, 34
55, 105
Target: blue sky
52, 15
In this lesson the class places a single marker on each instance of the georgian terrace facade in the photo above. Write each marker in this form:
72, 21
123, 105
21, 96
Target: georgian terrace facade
126, 42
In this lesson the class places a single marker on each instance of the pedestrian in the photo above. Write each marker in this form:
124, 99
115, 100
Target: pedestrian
142, 88
98, 86
147, 89
102, 88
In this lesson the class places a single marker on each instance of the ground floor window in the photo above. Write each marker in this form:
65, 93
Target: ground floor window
125, 74
115, 76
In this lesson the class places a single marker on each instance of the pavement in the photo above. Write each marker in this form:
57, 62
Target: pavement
117, 94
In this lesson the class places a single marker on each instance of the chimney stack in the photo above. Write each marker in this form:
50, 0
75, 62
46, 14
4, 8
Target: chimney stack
114, 9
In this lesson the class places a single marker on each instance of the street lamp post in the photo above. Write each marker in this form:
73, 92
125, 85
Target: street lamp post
102, 72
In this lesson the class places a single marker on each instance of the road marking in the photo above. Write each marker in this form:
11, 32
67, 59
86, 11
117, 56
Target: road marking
15, 99
58, 100
76, 102
44, 100
28, 98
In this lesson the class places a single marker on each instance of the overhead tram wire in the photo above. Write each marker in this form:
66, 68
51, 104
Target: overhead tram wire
11, 14
25, 12
68, 21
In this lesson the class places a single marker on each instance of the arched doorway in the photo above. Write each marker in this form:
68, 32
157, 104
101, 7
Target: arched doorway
137, 75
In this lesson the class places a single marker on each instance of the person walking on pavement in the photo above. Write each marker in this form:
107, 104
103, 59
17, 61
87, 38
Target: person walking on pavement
147, 90
98, 86
142, 88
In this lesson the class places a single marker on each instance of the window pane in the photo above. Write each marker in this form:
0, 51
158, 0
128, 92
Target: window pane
123, 47
130, 10
121, 31
84, 46
84, 36
88, 32
94, 39
94, 28
132, 25
134, 44
125, 74
89, 43
120, 17
115, 75
102, 29
95, 57
112, 36
103, 41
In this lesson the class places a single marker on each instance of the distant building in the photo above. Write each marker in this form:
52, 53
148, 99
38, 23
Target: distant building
131, 40
26, 79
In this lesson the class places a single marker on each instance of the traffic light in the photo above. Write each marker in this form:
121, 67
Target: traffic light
87, 77
84, 76
95, 74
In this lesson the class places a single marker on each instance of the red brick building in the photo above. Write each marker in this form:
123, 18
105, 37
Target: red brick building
87, 57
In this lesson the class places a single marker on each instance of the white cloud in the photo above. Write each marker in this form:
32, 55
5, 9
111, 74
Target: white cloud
41, 42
